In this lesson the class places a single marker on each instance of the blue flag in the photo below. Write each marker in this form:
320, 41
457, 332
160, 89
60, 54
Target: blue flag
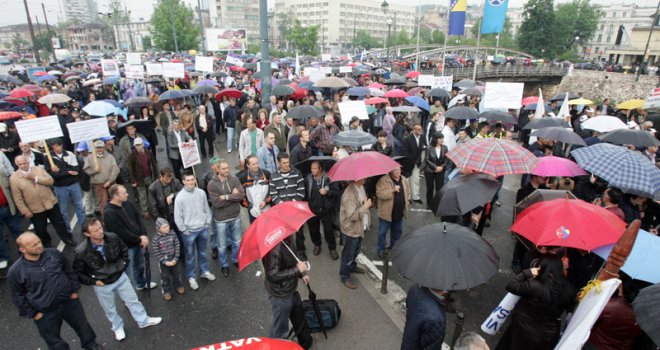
494, 16
457, 10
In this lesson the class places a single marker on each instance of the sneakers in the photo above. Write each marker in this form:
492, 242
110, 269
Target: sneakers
180, 290
193, 283
208, 275
152, 285
498, 203
214, 253
120, 334
151, 321
350, 284
3, 264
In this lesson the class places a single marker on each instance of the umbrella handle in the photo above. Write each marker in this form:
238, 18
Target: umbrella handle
309, 266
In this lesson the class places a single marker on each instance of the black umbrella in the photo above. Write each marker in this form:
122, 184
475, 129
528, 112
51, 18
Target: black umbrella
147, 271
171, 95
283, 90
153, 80
439, 93
204, 89
285, 81
647, 311
562, 97
466, 84
560, 134
472, 92
138, 102
546, 123
218, 74
464, 193
305, 166
501, 116
305, 111
461, 112
317, 310
353, 138
144, 127
638, 138
395, 81
445, 256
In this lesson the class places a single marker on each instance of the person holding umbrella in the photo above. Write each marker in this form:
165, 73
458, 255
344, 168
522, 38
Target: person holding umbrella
425, 319
354, 219
435, 165
392, 192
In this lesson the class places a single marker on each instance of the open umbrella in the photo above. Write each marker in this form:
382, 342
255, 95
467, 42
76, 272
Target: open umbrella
647, 311
358, 91
461, 112
253, 344
494, 157
631, 104
557, 166
439, 93
445, 256
580, 101
15, 101
305, 166
472, 92
396, 93
54, 98
171, 95
21, 93
532, 107
361, 165
603, 123
415, 91
9, 79
154, 80
283, 90
332, 82
376, 100
111, 80
466, 84
204, 89
144, 127
540, 195
562, 97
305, 112
560, 134
497, 115
464, 193
138, 102
10, 115
545, 123
569, 223
419, 102
207, 82
33, 88
412, 75
351, 81
70, 78
639, 138
218, 74
46, 77
284, 82
376, 85
406, 109
376, 92
229, 92
99, 108
395, 81
353, 138
643, 260
91, 82
529, 100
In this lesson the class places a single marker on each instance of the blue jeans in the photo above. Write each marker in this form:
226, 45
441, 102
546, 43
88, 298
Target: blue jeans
70, 194
196, 240
15, 224
213, 237
50, 325
352, 247
230, 139
396, 228
106, 296
136, 266
232, 231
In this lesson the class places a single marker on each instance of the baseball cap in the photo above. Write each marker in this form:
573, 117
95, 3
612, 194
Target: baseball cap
99, 144
138, 141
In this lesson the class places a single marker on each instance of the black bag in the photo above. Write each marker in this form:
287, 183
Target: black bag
330, 313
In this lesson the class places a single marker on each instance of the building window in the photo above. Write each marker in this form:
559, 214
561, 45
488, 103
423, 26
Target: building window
602, 26
613, 16
611, 27
600, 37
609, 37
624, 14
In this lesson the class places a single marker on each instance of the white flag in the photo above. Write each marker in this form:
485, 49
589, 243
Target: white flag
540, 107
564, 110
297, 65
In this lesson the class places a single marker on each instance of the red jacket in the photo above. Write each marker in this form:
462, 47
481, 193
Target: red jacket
616, 328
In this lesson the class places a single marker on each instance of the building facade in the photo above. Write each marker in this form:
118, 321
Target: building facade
8, 33
236, 14
130, 36
86, 11
88, 37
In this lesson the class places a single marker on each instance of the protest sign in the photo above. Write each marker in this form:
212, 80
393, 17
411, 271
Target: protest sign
496, 319
350, 109
503, 95
133, 58
189, 154
653, 101
432, 81
345, 69
38, 129
109, 67
204, 64
173, 70
134, 72
234, 60
326, 57
88, 130
154, 69
326, 70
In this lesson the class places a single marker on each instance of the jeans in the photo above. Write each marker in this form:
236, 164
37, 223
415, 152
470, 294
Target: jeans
213, 236
396, 228
136, 266
285, 309
106, 296
352, 247
50, 325
70, 194
196, 240
230, 139
228, 230
15, 225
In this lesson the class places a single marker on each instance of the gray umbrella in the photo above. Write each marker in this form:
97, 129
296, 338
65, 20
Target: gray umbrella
283, 90
647, 311
305, 111
540, 196
461, 113
464, 193
405, 109
204, 89
466, 84
305, 166
439, 93
395, 81
138, 102
353, 138
638, 138
501, 116
545, 123
472, 92
560, 134
445, 256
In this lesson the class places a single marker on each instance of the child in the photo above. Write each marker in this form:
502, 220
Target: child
166, 249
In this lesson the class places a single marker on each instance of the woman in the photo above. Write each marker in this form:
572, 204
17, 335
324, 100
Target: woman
435, 163
388, 125
262, 121
146, 114
545, 294
381, 145
188, 122
204, 126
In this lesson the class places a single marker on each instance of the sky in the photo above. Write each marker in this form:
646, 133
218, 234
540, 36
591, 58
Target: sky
13, 11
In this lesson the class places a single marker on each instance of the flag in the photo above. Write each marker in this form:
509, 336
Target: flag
494, 16
564, 110
457, 10
540, 107
297, 65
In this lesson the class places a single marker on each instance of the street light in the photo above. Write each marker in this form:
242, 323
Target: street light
385, 7
389, 43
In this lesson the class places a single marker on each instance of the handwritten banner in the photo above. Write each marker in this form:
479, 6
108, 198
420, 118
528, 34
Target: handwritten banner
38, 129
88, 130
350, 109
134, 72
173, 70
189, 154
443, 82
503, 95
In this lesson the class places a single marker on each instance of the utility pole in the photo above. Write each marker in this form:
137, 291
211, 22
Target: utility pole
50, 38
419, 25
36, 18
128, 23
265, 55
648, 41
201, 26
35, 52
176, 42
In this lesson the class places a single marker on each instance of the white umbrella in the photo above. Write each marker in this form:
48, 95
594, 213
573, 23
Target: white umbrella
454, 100
604, 123
54, 98
55, 72
92, 82
376, 92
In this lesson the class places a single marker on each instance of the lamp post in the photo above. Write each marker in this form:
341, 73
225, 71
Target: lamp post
497, 43
389, 42
385, 7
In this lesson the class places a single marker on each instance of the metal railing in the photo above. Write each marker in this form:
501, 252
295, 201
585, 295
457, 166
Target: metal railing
489, 71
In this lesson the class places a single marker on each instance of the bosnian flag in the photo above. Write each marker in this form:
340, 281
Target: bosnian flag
457, 10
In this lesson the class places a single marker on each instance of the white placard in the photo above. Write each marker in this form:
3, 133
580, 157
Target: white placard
109, 67
326, 70
653, 101
503, 95
443, 82
189, 154
134, 71
326, 57
345, 69
235, 61
350, 109
309, 71
154, 69
38, 129
173, 70
497, 318
204, 64
88, 129
133, 58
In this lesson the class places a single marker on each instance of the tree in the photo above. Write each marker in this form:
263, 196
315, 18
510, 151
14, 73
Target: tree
506, 36
305, 39
18, 42
146, 42
402, 38
437, 37
364, 40
536, 33
285, 21
6, 45
165, 14
578, 18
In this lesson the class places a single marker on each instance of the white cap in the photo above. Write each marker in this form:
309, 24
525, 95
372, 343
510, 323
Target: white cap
3, 127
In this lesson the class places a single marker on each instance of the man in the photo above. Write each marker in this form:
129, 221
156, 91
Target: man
612, 197
651, 152
226, 193
286, 184
8, 214
321, 194
413, 146
122, 217
101, 261
229, 116
251, 107
462, 136
391, 191
471, 341
268, 154
354, 219
161, 198
44, 287
251, 139
8, 141
192, 216
272, 105
448, 131
302, 151
425, 319
35, 158
30, 188
484, 131
125, 147
255, 181
103, 171
142, 170
437, 107
175, 136
321, 136
433, 126
204, 125
279, 130
605, 108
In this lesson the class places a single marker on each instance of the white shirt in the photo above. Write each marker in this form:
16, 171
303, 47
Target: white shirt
450, 138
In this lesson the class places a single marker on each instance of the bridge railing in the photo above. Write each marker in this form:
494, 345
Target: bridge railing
503, 71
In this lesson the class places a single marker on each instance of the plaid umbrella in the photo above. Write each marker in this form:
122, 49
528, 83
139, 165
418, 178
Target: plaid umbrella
353, 138
628, 170
494, 157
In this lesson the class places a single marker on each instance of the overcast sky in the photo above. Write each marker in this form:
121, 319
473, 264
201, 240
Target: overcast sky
13, 11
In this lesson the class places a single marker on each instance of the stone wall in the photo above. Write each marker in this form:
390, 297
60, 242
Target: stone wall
596, 85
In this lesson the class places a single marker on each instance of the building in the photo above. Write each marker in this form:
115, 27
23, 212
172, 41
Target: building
84, 11
88, 37
8, 33
236, 14
130, 36
515, 18
632, 51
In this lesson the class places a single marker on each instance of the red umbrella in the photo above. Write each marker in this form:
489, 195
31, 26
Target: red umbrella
376, 85
238, 69
10, 115
299, 94
415, 91
33, 88
20, 93
362, 165
396, 93
253, 344
40, 74
412, 75
569, 223
15, 101
494, 157
529, 100
271, 228
229, 93
376, 100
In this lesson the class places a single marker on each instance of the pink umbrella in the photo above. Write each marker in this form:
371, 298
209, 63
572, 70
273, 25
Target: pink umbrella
529, 100
362, 165
396, 93
413, 74
376, 100
557, 166
376, 85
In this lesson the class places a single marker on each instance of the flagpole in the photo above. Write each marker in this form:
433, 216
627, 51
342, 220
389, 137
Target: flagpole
444, 47
481, 21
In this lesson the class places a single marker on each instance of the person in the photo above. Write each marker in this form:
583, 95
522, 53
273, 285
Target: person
278, 129
321, 193
165, 246
381, 145
484, 131
392, 191
249, 142
103, 171
8, 214
125, 147
435, 164
611, 199
282, 273
161, 196
204, 126
34, 158
321, 136
44, 287
413, 148
226, 193
142, 170
122, 217
229, 116
448, 132
287, 184
425, 319
192, 216
9, 140
433, 126
100, 261
302, 151
175, 136
30, 189
471, 341
255, 181
268, 154
354, 220
545, 295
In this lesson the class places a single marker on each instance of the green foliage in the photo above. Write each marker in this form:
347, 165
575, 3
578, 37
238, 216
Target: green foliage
536, 33
364, 40
506, 37
577, 18
6, 45
437, 37
284, 22
570, 56
146, 42
402, 38
174, 11
305, 39
18, 42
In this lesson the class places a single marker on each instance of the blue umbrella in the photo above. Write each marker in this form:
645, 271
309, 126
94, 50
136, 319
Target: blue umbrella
171, 95
113, 102
419, 102
100, 108
532, 107
3, 95
358, 91
43, 78
186, 92
9, 79
306, 84
111, 80
644, 259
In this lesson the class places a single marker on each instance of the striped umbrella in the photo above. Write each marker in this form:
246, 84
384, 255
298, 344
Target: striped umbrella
494, 157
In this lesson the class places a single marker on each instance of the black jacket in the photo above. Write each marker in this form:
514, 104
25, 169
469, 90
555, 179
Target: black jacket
229, 116
158, 193
62, 177
321, 205
91, 266
298, 154
125, 221
412, 151
431, 161
281, 272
